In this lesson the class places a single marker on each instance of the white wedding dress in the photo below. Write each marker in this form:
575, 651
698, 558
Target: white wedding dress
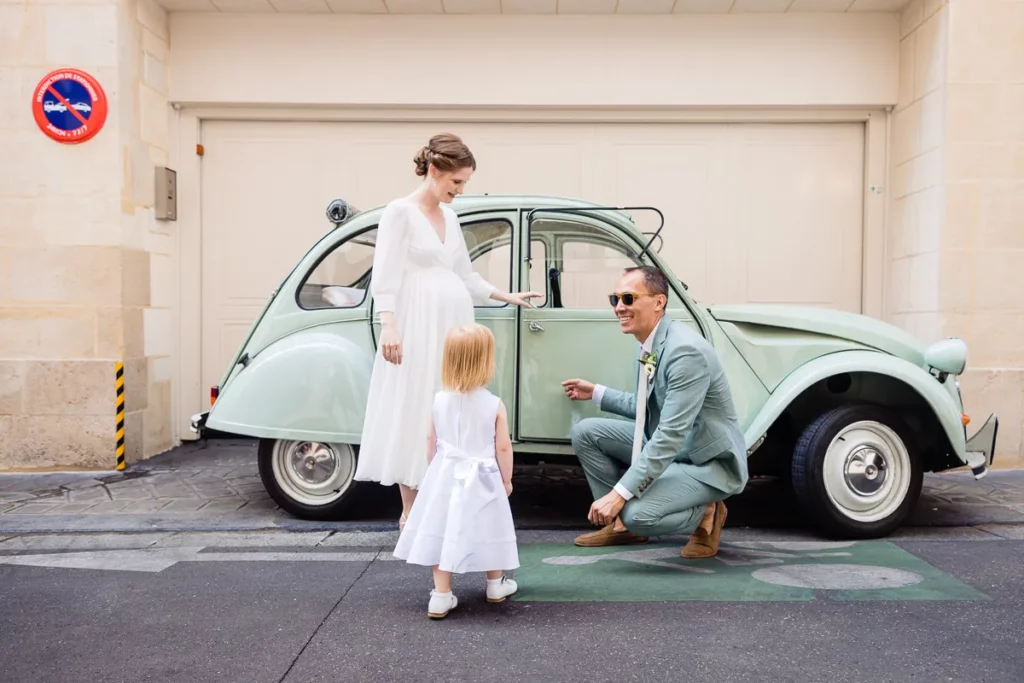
461, 520
430, 285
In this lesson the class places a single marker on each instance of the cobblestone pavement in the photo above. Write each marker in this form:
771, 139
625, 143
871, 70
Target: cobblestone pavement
215, 485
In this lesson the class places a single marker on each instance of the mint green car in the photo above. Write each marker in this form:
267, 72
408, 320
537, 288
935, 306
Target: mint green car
850, 411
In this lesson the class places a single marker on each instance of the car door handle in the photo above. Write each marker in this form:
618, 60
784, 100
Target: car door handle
536, 326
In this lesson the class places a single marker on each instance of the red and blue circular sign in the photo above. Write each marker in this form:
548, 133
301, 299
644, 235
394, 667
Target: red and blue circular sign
69, 106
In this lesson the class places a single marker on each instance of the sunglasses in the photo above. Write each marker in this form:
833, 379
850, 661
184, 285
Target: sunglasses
627, 298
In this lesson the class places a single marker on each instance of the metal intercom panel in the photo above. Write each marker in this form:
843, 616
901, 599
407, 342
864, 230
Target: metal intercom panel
166, 194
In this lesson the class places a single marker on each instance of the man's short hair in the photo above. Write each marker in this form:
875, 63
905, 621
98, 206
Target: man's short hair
654, 279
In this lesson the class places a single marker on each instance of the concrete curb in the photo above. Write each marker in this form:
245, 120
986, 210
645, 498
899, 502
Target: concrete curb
120, 524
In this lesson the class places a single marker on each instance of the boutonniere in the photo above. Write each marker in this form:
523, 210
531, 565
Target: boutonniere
649, 361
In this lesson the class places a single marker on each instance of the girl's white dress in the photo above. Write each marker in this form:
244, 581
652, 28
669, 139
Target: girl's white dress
461, 519
429, 285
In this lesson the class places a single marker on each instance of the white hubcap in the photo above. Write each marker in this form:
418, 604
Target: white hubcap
867, 471
313, 473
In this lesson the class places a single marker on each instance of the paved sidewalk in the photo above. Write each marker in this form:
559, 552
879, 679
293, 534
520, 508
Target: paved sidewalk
215, 486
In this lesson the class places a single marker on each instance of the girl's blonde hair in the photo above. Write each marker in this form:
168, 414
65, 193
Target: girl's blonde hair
468, 361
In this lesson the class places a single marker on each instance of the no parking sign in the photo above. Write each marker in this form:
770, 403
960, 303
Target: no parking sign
69, 106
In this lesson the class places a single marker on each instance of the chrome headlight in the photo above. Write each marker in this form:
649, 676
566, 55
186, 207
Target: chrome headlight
948, 356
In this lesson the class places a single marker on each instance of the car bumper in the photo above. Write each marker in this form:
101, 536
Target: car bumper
199, 422
981, 447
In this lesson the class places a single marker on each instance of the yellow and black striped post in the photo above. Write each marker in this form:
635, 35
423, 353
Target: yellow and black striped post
119, 385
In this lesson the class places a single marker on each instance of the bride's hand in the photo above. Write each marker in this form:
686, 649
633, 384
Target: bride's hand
522, 298
391, 344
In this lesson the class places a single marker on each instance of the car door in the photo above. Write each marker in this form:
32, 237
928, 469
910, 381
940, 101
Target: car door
489, 240
574, 331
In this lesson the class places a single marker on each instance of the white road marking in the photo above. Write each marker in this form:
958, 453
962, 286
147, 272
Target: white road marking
254, 539
729, 554
108, 541
735, 557
793, 545
159, 559
651, 556
837, 576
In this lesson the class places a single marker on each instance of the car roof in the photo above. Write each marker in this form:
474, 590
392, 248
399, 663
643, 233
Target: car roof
464, 204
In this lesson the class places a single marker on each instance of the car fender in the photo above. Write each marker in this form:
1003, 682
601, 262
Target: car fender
927, 387
309, 386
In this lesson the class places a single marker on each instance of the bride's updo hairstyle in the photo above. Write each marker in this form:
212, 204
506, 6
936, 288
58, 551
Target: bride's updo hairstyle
446, 152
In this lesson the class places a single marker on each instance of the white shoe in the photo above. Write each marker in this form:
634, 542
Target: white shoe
500, 588
441, 604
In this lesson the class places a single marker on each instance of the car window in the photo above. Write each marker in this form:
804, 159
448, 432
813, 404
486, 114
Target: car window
586, 262
589, 271
342, 277
489, 244
494, 260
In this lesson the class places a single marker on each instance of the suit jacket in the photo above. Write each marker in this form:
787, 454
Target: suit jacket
691, 418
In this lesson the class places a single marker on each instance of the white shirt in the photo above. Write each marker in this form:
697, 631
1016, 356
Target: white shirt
599, 394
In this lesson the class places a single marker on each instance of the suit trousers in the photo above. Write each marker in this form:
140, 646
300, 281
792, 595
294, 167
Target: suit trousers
673, 504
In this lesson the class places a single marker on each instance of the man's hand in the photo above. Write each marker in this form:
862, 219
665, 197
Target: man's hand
578, 389
605, 509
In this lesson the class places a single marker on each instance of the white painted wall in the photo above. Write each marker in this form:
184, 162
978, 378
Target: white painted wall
564, 61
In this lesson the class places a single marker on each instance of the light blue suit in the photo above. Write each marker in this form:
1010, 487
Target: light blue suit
693, 452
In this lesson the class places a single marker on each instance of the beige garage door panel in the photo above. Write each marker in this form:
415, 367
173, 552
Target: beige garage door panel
797, 205
753, 212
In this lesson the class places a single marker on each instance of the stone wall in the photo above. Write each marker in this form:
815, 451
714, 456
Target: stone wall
956, 223
149, 291
78, 241
983, 242
917, 211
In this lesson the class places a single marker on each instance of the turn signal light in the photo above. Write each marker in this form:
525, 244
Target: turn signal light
213, 395
965, 419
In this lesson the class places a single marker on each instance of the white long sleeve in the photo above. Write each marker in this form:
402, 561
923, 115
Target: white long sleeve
479, 288
389, 256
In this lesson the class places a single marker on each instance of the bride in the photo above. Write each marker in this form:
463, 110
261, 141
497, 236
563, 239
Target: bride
423, 285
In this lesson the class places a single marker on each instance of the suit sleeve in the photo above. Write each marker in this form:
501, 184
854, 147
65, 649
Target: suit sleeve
617, 402
389, 256
687, 378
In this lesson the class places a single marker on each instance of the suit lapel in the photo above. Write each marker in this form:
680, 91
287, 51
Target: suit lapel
657, 348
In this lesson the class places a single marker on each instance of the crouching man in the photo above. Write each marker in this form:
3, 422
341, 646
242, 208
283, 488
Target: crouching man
667, 470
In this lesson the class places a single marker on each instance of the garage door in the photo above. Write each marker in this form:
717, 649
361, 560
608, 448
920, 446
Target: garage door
753, 212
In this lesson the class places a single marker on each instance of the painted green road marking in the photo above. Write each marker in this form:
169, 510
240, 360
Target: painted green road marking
742, 572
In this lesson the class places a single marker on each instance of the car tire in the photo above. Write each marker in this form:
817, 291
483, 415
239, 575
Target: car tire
310, 480
856, 472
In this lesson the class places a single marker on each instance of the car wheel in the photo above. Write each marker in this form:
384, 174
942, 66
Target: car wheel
856, 472
309, 479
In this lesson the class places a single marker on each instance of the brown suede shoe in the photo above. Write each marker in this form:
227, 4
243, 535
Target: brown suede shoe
702, 545
608, 536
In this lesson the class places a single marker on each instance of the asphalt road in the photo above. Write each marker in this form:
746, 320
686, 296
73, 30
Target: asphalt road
180, 607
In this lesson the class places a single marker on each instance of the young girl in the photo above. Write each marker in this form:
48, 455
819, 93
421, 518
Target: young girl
461, 520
